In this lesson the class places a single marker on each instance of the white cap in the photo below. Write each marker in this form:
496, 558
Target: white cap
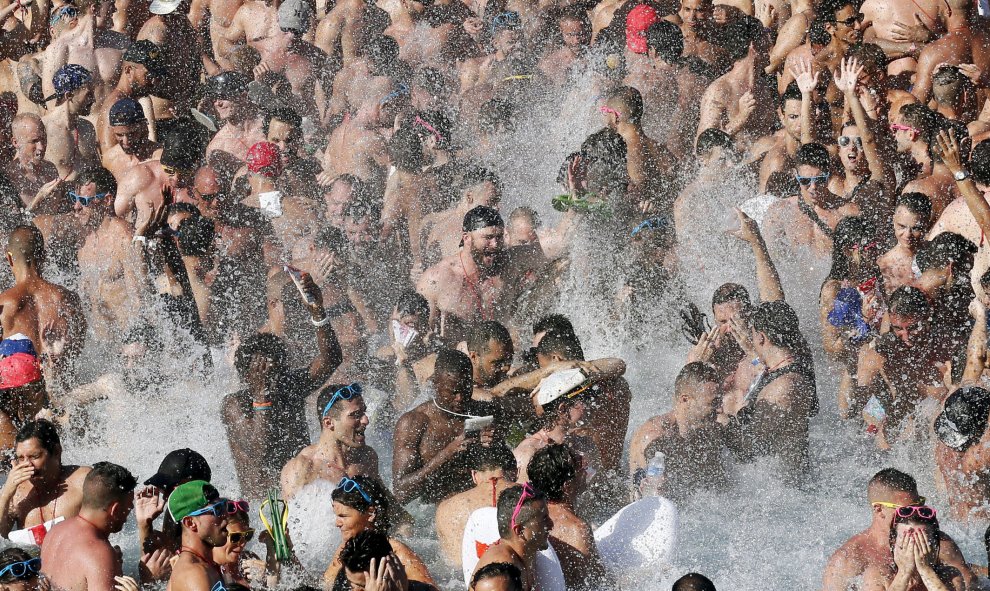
164, 6
558, 384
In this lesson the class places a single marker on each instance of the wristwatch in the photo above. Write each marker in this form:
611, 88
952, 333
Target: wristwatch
961, 175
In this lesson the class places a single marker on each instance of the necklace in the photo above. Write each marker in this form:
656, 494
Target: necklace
197, 555
450, 412
782, 363
41, 511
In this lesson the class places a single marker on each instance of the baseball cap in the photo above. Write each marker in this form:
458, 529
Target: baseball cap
481, 216
19, 370
264, 158
190, 497
179, 466
164, 6
639, 20
183, 146
295, 15
149, 55
126, 111
227, 85
17, 343
69, 78
964, 417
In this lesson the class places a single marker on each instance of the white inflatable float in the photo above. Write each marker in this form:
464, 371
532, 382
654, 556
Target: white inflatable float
640, 539
312, 526
481, 532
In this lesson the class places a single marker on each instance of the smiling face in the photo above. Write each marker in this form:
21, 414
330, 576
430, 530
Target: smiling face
230, 553
350, 521
485, 246
790, 118
348, 419
909, 228
30, 140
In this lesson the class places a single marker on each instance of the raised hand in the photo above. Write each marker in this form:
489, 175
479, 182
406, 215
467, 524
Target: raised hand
148, 504
949, 148
806, 75
847, 76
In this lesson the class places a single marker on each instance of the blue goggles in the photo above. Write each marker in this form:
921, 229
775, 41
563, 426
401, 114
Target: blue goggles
650, 224
22, 570
345, 393
349, 486
85, 201
807, 181
506, 20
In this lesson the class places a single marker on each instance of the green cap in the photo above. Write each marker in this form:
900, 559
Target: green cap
190, 497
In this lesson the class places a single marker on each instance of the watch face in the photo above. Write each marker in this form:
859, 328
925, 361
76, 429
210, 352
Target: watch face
960, 176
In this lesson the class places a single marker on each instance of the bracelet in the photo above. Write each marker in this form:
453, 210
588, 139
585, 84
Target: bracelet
323, 322
139, 240
261, 405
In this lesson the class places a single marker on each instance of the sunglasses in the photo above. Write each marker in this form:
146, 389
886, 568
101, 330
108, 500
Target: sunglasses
349, 486
400, 90
807, 181
852, 20
217, 509
436, 134
898, 127
24, 569
845, 140
605, 109
528, 492
237, 507
208, 197
240, 537
85, 201
922, 511
173, 170
921, 502
345, 393
508, 20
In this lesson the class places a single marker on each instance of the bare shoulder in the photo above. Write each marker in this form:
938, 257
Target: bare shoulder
651, 429
77, 475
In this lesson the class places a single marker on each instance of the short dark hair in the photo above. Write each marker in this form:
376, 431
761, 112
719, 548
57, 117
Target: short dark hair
553, 322
910, 301
406, 149
693, 582
791, 93
817, 33
107, 484
666, 39
475, 175
778, 321
452, 362
979, 162
412, 302
731, 292
491, 457
870, 55
565, 344
828, 8
917, 203
196, 235
11, 556
497, 570
323, 399
894, 479
550, 469
101, 177
505, 506
359, 210
631, 98
484, 333
713, 138
264, 344
813, 154
695, 372
283, 114
359, 551
42, 430
921, 118
945, 249
331, 238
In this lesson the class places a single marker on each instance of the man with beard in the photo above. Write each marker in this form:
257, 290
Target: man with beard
283, 127
72, 143
29, 171
202, 513
137, 373
40, 491
77, 553
509, 54
144, 67
341, 450
489, 346
128, 127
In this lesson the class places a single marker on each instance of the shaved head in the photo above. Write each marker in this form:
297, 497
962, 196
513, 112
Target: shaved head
26, 245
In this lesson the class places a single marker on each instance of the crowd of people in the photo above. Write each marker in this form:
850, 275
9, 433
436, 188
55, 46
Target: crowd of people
308, 196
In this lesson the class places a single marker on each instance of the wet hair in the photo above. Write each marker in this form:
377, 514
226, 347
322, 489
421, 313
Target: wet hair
499, 570
731, 292
432, 81
26, 243
979, 162
105, 485
828, 8
910, 301
527, 213
283, 114
382, 52
945, 249
506, 506
323, 399
813, 154
870, 55
713, 138
480, 217
849, 232
553, 322
359, 210
778, 321
631, 99
791, 93
947, 74
42, 430
695, 372
406, 149
99, 176
917, 203
818, 35
196, 235
605, 153
264, 344
359, 551
666, 39
484, 333
693, 582
913, 520
331, 239
355, 500
922, 118
475, 175
896, 480
11, 556
550, 469
736, 36
452, 362
491, 457
565, 344
410, 302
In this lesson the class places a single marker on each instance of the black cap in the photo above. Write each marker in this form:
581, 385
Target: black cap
181, 465
149, 55
227, 85
480, 217
964, 419
184, 145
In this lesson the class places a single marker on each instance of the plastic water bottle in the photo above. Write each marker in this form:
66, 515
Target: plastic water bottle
656, 466
653, 479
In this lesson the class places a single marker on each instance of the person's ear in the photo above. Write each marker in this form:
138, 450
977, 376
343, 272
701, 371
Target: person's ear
327, 422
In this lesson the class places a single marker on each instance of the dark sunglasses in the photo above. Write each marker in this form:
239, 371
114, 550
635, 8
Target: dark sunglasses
85, 201
845, 140
240, 537
852, 20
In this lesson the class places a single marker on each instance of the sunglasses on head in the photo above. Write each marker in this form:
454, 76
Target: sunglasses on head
898, 127
85, 201
349, 486
173, 170
528, 492
345, 393
605, 109
807, 181
922, 511
216, 509
858, 18
22, 570
921, 502
240, 537
845, 140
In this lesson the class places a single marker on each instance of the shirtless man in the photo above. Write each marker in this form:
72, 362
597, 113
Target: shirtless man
888, 490
77, 555
493, 469
696, 27
843, 25
256, 24
202, 514
357, 146
955, 97
912, 220
939, 184
560, 474
966, 41
575, 35
128, 126
688, 438
48, 314
485, 72
524, 527
490, 348
809, 219
962, 431
40, 490
215, 18
777, 151
430, 442
341, 449
143, 69
72, 143
242, 126
29, 171
902, 29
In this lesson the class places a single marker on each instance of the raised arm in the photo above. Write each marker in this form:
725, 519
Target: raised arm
767, 279
846, 82
976, 350
806, 76
329, 355
952, 158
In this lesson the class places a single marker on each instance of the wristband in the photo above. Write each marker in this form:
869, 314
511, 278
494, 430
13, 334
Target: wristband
323, 322
261, 405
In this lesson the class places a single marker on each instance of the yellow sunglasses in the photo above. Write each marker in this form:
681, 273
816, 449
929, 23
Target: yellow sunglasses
921, 501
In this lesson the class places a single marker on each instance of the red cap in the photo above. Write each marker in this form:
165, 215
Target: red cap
638, 21
18, 370
264, 158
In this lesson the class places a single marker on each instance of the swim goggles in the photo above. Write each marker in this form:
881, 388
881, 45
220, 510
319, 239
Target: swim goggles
921, 501
22, 570
240, 537
566, 202
85, 201
527, 493
807, 181
922, 511
345, 393
349, 486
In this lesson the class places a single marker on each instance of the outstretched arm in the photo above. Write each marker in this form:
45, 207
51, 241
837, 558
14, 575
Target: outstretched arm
952, 158
846, 81
767, 279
